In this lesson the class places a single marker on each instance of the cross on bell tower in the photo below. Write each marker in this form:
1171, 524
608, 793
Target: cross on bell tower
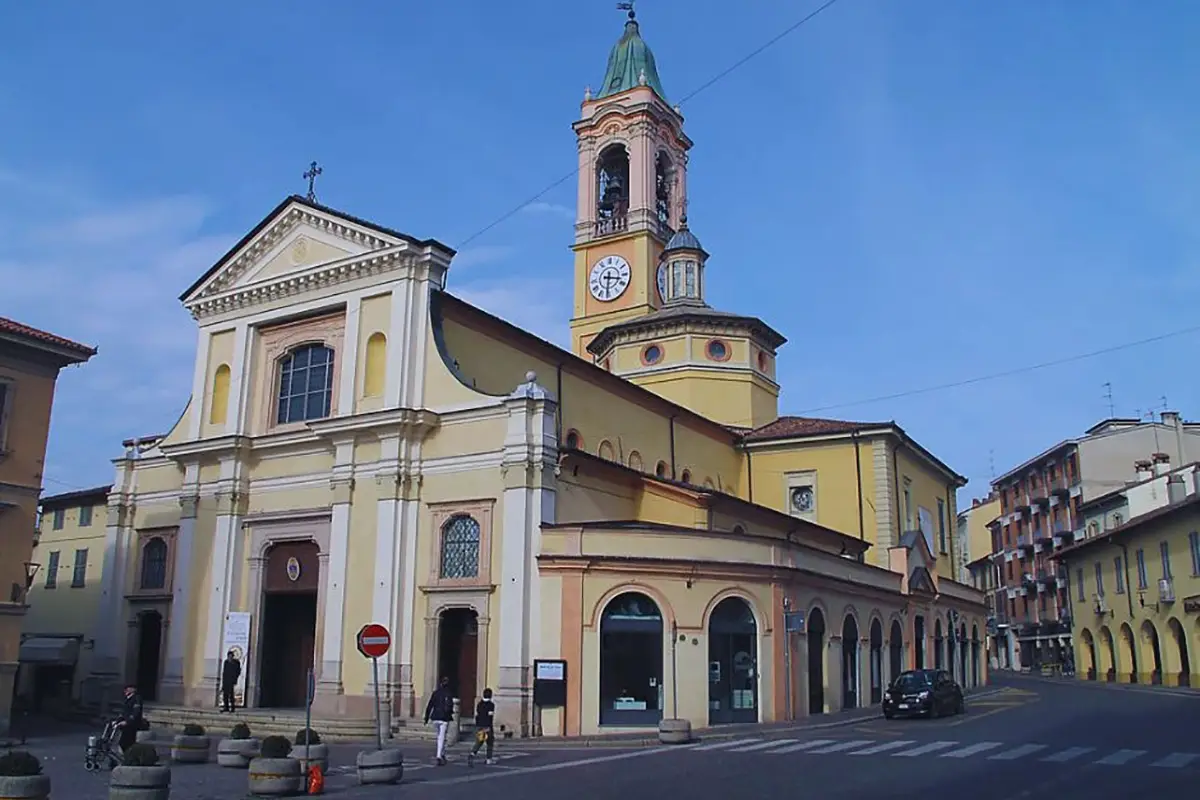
632, 176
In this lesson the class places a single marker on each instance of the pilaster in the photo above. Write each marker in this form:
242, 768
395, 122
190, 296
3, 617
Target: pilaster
199, 379
110, 632
833, 675
348, 386
181, 591
231, 498
334, 571
885, 509
530, 452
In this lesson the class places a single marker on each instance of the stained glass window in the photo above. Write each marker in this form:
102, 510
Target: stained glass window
460, 548
154, 564
305, 384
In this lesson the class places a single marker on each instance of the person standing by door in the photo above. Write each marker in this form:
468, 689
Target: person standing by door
231, 670
441, 710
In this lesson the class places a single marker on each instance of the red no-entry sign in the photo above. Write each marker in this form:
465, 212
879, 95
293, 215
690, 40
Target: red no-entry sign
374, 640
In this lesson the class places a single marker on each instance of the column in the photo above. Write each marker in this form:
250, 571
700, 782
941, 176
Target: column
181, 600
530, 451
231, 507
409, 516
107, 661
334, 570
833, 675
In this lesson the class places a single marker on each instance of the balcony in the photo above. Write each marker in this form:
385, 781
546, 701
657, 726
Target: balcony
609, 226
1058, 486
1063, 535
1047, 581
1021, 503
1041, 534
1025, 542
1039, 495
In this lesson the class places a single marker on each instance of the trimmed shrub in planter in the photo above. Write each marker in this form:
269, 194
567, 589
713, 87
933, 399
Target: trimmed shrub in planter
309, 750
272, 773
192, 746
380, 766
21, 777
140, 777
238, 749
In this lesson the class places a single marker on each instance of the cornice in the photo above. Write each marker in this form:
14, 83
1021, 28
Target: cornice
320, 276
397, 420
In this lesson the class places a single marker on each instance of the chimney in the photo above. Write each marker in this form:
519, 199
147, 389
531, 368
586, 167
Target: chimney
1145, 471
1171, 419
1176, 491
1162, 463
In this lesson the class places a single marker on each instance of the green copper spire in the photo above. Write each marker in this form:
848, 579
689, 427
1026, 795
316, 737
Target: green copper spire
629, 61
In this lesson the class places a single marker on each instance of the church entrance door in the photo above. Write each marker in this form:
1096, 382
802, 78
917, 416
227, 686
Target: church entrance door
289, 624
149, 654
458, 652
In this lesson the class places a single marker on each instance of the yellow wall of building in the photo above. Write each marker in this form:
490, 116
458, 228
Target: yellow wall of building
1122, 637
220, 353
927, 486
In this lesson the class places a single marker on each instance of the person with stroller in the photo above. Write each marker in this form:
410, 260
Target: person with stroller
131, 717
485, 728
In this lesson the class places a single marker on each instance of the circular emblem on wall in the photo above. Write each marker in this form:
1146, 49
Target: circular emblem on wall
293, 569
299, 250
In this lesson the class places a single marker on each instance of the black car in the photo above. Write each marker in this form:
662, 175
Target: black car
923, 692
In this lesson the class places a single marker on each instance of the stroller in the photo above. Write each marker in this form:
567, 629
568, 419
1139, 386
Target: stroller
104, 751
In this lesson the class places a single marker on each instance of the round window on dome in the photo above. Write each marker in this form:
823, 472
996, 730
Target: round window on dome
652, 354
718, 350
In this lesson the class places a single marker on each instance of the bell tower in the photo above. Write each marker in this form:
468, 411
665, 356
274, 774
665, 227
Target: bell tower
632, 187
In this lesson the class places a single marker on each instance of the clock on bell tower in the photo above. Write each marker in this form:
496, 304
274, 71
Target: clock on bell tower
632, 185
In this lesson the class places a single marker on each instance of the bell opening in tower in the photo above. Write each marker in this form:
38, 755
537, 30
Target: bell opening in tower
664, 178
612, 183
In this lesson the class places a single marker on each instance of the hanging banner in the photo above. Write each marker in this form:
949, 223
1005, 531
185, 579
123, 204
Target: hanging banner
237, 639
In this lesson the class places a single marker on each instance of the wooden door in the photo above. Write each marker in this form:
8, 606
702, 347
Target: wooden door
468, 653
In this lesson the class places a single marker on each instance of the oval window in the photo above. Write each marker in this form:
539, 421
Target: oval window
652, 354
717, 350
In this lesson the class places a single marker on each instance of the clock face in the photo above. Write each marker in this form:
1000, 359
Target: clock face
609, 279
802, 499
662, 282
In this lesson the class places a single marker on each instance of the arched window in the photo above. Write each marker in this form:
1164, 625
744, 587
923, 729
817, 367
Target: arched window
305, 384
606, 450
375, 366
154, 564
660, 469
686, 476
460, 548
219, 400
635, 460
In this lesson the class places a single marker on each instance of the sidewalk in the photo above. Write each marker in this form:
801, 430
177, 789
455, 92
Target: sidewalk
650, 738
1177, 691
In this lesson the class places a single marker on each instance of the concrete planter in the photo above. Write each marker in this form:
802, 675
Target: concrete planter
237, 753
25, 787
275, 777
190, 749
380, 766
309, 754
140, 783
674, 731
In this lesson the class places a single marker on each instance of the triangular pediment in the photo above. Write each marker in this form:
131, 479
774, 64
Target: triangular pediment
921, 582
293, 239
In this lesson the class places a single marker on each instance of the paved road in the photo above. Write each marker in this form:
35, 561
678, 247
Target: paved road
1033, 739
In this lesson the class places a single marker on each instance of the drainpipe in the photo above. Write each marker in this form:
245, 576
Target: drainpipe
750, 475
862, 532
558, 421
949, 538
672, 429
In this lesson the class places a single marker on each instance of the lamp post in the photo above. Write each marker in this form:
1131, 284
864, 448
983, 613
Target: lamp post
19, 592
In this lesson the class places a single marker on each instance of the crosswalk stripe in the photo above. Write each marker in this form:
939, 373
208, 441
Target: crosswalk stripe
883, 748
1068, 754
840, 746
723, 745
1176, 760
761, 746
1121, 757
1017, 752
932, 747
975, 749
796, 748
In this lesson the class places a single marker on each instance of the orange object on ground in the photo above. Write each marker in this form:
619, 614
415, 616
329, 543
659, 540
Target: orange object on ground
316, 780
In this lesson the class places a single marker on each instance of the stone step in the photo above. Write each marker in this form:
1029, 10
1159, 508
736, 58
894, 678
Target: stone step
169, 720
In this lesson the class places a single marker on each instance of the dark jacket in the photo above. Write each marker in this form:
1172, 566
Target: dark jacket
231, 670
131, 709
440, 706
485, 714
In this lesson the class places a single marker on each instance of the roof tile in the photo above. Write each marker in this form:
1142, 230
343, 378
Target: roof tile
14, 328
785, 427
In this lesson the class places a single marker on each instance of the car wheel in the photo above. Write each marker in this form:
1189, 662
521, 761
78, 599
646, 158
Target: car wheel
962, 705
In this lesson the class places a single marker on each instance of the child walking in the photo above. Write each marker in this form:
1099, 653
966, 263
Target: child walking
485, 728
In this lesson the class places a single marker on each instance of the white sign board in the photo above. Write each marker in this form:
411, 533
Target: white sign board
237, 639
550, 671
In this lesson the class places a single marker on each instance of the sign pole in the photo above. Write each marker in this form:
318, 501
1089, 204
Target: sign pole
378, 715
308, 698
674, 672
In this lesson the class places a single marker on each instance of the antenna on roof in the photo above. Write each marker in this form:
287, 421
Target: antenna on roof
1112, 411
992, 462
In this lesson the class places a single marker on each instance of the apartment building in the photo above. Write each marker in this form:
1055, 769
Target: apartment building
30, 362
974, 538
57, 638
1041, 512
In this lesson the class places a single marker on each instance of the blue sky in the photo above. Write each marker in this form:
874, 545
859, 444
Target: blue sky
913, 193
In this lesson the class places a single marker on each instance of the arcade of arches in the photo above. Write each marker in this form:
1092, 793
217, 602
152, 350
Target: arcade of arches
715, 654
1151, 651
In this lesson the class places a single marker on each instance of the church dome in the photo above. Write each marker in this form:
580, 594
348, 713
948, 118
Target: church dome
684, 239
630, 64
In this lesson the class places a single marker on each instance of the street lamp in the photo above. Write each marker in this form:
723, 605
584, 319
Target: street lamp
19, 592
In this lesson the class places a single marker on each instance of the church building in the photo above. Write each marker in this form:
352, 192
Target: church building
362, 446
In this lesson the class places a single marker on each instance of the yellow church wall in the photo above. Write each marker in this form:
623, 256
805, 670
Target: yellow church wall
292, 259
374, 321
837, 482
591, 315
586, 498
179, 431
927, 487
441, 386
165, 476
553, 720
740, 399
196, 612
628, 358
360, 586
308, 462
288, 499
367, 451
220, 354
454, 439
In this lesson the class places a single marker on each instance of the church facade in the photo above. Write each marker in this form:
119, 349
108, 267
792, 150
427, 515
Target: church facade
363, 446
